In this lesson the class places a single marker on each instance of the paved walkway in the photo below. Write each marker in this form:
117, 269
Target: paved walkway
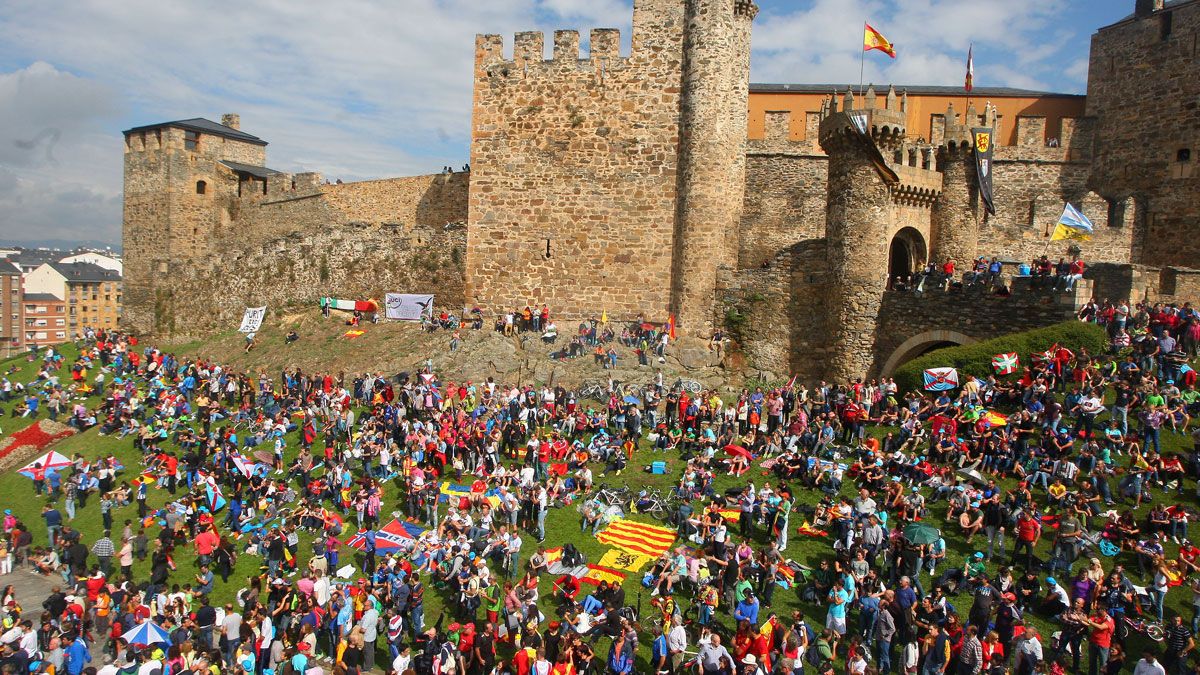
32, 589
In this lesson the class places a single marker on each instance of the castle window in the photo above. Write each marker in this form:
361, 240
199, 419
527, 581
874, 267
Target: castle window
191, 140
201, 187
1164, 25
1183, 155
547, 248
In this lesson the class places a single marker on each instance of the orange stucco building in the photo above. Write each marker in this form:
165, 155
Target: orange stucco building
925, 105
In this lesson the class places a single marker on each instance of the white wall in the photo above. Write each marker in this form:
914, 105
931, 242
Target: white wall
46, 279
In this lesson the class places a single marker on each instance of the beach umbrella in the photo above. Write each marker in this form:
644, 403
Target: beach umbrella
920, 533
737, 450
146, 633
51, 461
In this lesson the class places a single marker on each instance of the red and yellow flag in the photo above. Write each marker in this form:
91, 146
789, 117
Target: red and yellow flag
873, 39
634, 537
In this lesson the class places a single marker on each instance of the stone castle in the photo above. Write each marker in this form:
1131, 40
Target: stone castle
628, 184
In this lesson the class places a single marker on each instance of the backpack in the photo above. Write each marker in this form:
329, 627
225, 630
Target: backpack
572, 557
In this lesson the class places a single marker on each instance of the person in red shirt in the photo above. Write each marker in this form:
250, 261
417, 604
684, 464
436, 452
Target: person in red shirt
568, 589
1100, 640
1028, 531
206, 542
171, 462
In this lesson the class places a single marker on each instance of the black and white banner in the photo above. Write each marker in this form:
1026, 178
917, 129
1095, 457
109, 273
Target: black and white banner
983, 140
408, 306
252, 319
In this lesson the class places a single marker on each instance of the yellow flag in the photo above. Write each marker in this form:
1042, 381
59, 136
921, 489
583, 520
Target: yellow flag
1063, 232
624, 560
604, 316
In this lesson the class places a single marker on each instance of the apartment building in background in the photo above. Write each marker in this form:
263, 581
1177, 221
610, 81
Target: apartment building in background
45, 319
11, 310
92, 293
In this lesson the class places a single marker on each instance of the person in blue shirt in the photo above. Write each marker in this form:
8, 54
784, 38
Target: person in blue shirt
747, 609
620, 657
839, 602
77, 656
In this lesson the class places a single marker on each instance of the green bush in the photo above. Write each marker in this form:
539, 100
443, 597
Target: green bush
976, 359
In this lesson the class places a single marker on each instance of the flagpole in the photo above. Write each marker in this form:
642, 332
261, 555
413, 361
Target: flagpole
970, 71
862, 60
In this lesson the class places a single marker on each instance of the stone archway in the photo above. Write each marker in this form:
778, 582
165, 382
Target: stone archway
921, 343
907, 254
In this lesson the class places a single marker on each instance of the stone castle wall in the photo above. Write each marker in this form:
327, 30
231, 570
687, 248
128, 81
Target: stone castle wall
911, 323
1142, 89
574, 167
347, 261
412, 203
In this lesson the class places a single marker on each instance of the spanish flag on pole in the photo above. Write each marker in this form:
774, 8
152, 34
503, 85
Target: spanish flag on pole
873, 39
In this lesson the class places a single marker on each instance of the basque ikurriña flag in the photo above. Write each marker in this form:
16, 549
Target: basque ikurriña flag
940, 379
1005, 364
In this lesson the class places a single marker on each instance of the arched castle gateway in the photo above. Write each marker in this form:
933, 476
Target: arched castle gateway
659, 182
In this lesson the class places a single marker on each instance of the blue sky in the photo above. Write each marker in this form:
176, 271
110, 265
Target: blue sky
367, 88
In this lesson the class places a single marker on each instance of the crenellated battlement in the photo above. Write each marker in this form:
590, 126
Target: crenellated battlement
885, 120
1072, 144
528, 54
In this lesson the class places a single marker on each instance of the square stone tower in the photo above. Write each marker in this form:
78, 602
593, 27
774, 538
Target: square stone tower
611, 183
177, 196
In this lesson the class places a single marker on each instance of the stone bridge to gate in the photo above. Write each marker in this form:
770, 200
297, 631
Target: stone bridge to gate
911, 324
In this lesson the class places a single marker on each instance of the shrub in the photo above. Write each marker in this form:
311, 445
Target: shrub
976, 359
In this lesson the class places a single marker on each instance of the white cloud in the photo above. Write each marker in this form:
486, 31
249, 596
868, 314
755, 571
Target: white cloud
367, 88
60, 163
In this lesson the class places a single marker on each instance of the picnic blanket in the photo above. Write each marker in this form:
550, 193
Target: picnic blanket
634, 537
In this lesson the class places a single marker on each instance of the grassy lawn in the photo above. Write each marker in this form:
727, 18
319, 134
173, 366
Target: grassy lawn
562, 525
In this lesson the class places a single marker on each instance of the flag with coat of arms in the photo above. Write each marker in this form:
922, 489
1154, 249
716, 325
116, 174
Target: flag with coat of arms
1005, 364
940, 379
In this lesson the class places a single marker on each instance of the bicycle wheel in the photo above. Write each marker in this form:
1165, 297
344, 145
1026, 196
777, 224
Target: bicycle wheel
1155, 632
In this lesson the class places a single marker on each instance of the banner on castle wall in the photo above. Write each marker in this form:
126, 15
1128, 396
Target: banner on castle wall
862, 129
408, 306
983, 141
252, 319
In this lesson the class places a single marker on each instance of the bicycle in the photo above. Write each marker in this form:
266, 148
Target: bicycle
690, 386
595, 392
1151, 629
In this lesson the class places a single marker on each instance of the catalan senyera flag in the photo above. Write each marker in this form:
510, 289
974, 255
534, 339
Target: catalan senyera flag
873, 39
671, 326
969, 83
634, 537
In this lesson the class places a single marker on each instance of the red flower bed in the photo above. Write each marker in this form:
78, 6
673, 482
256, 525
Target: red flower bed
35, 437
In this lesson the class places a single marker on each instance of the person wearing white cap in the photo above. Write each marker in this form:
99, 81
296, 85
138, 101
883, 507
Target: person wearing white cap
749, 666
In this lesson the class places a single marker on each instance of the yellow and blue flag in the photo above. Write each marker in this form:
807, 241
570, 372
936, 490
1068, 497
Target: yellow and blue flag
1072, 225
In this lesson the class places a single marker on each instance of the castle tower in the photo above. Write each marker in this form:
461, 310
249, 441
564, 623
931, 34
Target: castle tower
174, 187
712, 173
955, 217
856, 228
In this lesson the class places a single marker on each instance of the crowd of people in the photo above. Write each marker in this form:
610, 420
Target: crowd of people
930, 514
